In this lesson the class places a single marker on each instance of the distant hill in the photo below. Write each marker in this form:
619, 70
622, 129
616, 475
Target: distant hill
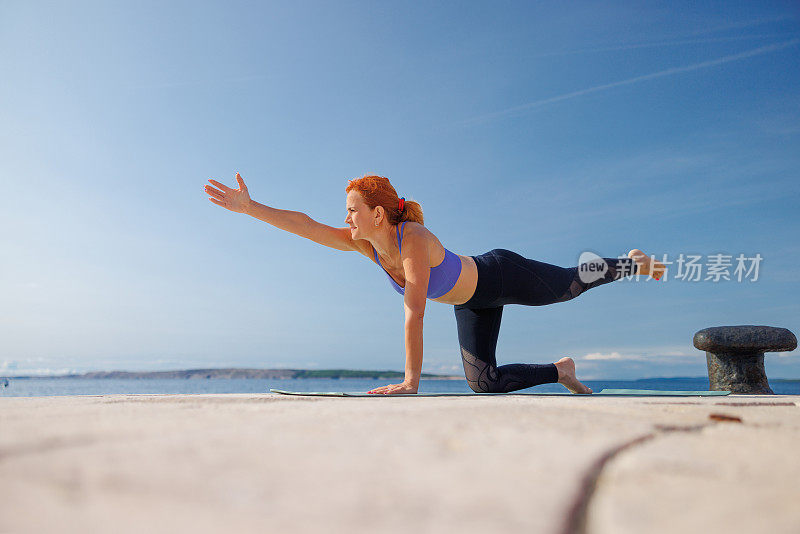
191, 374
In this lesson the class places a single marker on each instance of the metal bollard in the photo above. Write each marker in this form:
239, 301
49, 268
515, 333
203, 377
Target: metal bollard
735, 355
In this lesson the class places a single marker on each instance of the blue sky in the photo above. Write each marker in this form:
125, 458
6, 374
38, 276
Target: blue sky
543, 128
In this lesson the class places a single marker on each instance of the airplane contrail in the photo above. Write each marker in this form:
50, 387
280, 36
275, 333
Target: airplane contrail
668, 72
657, 44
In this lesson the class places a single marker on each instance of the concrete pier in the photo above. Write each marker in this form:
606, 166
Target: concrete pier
269, 463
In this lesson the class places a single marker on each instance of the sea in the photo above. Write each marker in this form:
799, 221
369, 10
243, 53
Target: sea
45, 387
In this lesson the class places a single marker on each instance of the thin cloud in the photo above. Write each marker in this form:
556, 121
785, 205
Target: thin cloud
655, 354
668, 72
607, 356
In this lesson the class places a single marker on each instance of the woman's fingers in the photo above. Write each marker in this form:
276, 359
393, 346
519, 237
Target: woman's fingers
218, 194
393, 389
241, 182
211, 191
385, 389
215, 201
221, 186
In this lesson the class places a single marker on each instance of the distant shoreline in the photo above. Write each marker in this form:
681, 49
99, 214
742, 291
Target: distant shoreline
289, 374
273, 374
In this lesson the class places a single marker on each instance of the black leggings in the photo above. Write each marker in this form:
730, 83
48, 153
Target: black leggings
505, 277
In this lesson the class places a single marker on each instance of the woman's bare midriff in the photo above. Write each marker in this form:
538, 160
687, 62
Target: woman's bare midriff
466, 284
467, 280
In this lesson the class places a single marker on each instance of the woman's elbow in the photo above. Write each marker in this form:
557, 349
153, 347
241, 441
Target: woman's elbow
415, 316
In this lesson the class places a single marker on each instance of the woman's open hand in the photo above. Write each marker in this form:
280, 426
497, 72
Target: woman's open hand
393, 389
232, 199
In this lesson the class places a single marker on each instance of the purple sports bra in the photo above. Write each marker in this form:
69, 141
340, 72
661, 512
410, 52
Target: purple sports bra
443, 277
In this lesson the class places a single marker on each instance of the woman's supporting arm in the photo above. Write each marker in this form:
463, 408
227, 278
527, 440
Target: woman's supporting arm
416, 265
414, 344
417, 271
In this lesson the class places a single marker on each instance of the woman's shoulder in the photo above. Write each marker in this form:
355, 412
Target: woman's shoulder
410, 231
420, 233
417, 231
414, 228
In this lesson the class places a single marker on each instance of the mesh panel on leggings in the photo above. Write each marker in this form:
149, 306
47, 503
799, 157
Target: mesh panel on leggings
484, 377
617, 268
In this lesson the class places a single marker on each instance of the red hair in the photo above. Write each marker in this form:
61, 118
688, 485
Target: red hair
377, 191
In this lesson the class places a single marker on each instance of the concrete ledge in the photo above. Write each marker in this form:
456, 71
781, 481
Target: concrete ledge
255, 463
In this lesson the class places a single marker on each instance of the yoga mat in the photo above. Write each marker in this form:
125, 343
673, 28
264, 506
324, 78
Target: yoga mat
606, 392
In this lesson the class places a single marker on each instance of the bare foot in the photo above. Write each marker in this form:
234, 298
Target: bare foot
647, 265
566, 376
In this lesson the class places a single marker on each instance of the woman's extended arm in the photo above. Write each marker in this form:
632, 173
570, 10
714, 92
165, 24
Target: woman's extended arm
238, 201
296, 222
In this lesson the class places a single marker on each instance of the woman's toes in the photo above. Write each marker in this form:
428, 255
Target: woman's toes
658, 270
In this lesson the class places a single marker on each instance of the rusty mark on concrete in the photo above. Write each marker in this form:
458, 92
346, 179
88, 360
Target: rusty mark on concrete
724, 418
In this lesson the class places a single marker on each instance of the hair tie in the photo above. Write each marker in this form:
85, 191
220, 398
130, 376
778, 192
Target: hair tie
402, 203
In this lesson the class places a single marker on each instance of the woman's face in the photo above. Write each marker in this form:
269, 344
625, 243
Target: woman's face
359, 217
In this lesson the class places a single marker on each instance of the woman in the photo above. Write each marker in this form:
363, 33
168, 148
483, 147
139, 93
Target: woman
390, 231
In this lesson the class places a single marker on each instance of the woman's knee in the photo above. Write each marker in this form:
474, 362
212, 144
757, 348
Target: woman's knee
479, 384
477, 372
474, 386
481, 376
